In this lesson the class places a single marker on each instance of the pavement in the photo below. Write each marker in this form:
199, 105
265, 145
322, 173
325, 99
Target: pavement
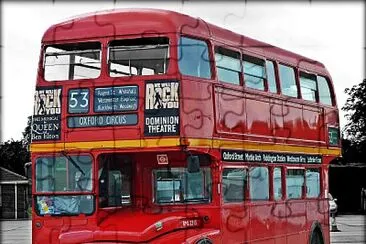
15, 231
352, 230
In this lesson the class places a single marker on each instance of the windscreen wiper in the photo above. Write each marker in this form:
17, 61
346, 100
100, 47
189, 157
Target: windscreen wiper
73, 162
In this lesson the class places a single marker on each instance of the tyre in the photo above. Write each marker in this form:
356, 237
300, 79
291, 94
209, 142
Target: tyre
204, 241
316, 238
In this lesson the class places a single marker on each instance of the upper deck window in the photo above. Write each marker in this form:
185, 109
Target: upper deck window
193, 58
72, 61
308, 86
254, 73
288, 81
324, 91
228, 66
271, 76
143, 56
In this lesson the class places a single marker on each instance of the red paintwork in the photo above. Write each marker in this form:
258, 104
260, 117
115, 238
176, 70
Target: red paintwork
208, 110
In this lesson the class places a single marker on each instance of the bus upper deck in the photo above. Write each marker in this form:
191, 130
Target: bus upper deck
153, 126
179, 78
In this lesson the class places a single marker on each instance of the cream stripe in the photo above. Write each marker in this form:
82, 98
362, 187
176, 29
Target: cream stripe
171, 142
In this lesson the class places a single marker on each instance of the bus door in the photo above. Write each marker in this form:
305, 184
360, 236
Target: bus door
234, 213
114, 179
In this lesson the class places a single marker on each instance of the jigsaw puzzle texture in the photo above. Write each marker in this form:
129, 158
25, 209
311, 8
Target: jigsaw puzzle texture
128, 129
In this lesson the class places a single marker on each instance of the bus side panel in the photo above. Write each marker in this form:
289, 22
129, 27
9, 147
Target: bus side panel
196, 109
314, 213
313, 124
325, 224
235, 223
293, 120
262, 225
276, 114
278, 216
258, 117
296, 221
230, 111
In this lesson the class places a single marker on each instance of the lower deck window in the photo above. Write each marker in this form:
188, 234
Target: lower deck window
277, 183
64, 204
64, 173
312, 182
177, 185
294, 183
259, 183
234, 182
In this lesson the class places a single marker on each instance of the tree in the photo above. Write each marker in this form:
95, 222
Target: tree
354, 148
355, 109
27, 132
14, 154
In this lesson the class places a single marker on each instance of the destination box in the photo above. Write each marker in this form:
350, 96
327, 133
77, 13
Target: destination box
116, 99
101, 120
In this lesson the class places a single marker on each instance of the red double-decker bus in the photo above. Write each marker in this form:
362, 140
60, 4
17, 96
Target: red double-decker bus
151, 126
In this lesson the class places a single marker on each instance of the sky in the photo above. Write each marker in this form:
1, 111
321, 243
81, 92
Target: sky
332, 33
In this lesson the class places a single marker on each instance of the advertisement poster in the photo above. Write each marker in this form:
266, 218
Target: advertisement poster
161, 108
47, 114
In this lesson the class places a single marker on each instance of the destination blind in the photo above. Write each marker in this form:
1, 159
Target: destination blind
269, 157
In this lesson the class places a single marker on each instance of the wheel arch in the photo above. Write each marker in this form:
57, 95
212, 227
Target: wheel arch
316, 227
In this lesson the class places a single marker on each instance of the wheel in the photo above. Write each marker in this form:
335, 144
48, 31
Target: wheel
204, 241
316, 238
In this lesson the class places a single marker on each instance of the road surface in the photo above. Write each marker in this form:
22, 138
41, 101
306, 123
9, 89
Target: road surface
352, 230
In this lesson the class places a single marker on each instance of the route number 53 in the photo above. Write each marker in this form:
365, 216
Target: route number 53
78, 101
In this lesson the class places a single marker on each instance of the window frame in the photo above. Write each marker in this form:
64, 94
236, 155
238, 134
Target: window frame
303, 194
81, 42
283, 193
208, 173
276, 76
93, 186
268, 183
169, 55
330, 89
210, 56
281, 80
255, 59
302, 73
220, 49
320, 182
245, 185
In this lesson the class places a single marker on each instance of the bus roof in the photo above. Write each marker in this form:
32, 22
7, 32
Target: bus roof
122, 22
